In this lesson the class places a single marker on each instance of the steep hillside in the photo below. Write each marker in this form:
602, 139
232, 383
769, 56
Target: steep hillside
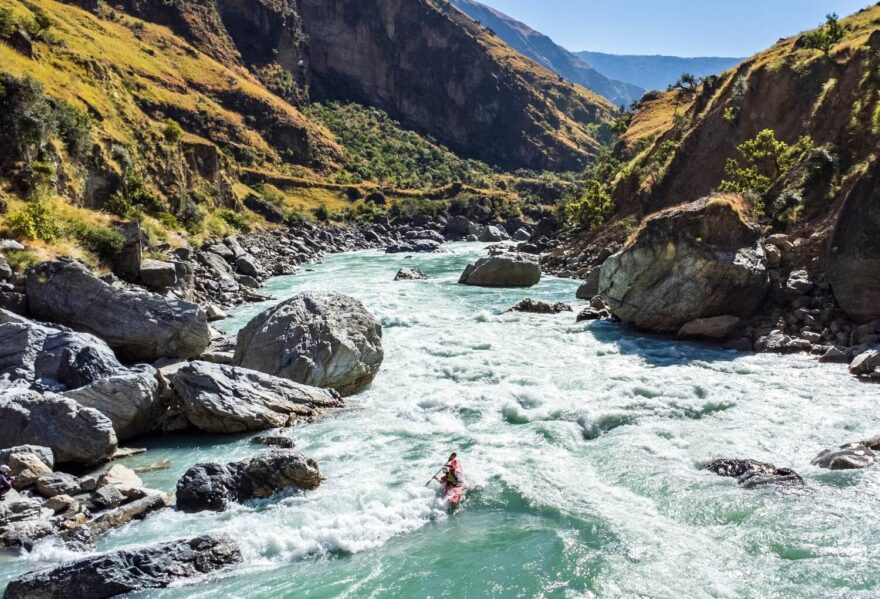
654, 72
437, 71
543, 50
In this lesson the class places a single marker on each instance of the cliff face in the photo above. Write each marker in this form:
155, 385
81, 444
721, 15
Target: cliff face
439, 72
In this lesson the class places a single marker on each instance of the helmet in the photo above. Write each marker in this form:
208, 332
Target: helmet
4, 469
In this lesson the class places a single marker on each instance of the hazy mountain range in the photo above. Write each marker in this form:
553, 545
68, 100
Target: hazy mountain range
619, 78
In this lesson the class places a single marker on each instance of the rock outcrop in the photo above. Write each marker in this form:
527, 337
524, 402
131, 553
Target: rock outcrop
213, 486
121, 572
504, 270
318, 339
138, 326
72, 432
853, 261
227, 399
694, 261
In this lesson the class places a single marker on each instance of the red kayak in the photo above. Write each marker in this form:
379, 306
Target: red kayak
454, 494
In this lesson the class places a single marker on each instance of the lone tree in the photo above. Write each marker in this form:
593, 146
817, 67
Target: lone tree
687, 83
826, 37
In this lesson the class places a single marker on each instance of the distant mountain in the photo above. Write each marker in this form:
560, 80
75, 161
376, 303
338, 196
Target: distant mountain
654, 72
542, 49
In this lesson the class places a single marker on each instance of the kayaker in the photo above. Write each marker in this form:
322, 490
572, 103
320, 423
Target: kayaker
451, 472
6, 481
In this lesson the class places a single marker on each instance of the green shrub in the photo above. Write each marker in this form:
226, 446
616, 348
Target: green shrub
234, 219
7, 23
103, 241
168, 220
172, 132
593, 207
35, 220
321, 213
119, 205
826, 37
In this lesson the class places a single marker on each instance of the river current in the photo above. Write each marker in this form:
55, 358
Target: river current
581, 444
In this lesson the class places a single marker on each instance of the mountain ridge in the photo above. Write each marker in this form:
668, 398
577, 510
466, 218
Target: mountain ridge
539, 47
655, 71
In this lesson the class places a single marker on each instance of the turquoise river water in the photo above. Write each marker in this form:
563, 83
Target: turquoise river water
580, 442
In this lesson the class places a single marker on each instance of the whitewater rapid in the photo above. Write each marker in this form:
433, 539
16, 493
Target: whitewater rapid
581, 442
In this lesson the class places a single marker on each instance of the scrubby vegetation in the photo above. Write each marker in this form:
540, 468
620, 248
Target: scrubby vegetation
378, 148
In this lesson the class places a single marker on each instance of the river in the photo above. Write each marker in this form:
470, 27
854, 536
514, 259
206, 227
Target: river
581, 444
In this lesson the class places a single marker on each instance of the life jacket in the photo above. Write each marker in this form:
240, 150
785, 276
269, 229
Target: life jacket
452, 473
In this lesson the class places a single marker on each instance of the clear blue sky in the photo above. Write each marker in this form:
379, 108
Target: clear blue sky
677, 27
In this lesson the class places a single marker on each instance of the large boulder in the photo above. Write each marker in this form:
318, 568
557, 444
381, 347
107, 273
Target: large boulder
47, 357
138, 326
121, 572
866, 364
72, 432
693, 261
131, 400
212, 486
504, 270
318, 339
853, 261
227, 399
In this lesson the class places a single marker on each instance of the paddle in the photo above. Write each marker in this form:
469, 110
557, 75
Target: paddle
433, 478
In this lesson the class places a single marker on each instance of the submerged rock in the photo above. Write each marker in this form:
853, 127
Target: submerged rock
138, 326
716, 327
410, 274
413, 246
213, 486
693, 261
751, 474
318, 339
120, 572
225, 399
540, 307
847, 457
505, 270
72, 432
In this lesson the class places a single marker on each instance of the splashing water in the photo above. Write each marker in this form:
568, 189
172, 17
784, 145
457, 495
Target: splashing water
581, 444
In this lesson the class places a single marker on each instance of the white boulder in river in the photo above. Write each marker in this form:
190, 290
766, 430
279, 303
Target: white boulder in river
138, 326
503, 270
319, 339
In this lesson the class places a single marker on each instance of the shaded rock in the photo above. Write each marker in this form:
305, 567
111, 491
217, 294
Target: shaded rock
589, 314
274, 441
866, 364
158, 275
413, 246
132, 401
107, 497
120, 572
49, 357
410, 274
697, 260
212, 486
853, 260
135, 510
58, 483
521, 235
716, 327
492, 233
847, 457
19, 509
74, 433
267, 210
834, 355
319, 339
226, 399
590, 287
138, 326
127, 261
247, 265
540, 307
506, 270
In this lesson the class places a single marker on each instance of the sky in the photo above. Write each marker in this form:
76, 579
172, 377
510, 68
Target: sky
677, 27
